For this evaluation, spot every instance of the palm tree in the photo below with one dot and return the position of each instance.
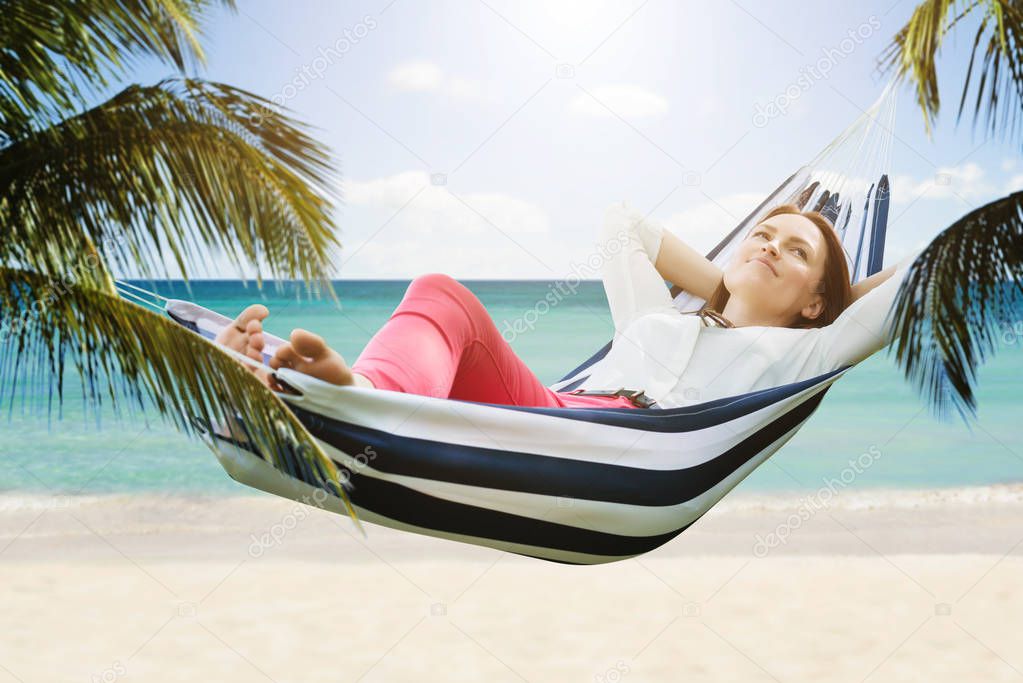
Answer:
(171, 170)
(963, 288)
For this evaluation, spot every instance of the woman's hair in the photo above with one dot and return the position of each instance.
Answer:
(835, 289)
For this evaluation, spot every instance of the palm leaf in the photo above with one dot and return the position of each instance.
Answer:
(53, 53)
(146, 358)
(1000, 81)
(174, 171)
(956, 300)
(913, 54)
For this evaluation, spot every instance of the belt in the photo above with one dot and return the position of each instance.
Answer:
(638, 398)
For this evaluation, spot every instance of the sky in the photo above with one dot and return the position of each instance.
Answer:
(485, 138)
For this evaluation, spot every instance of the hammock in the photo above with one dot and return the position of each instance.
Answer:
(569, 485)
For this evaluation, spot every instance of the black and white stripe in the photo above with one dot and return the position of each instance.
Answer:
(572, 485)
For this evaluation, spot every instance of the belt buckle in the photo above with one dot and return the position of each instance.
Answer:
(637, 396)
(643, 401)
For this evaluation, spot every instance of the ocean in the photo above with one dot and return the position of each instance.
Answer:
(871, 412)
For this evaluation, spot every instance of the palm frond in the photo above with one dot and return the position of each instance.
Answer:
(956, 300)
(173, 170)
(51, 49)
(145, 358)
(999, 96)
(998, 42)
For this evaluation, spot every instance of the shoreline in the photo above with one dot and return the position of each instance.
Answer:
(169, 527)
(1008, 493)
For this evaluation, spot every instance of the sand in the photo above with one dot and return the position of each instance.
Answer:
(892, 586)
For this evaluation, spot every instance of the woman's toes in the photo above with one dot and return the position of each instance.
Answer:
(308, 344)
(253, 312)
(254, 340)
(285, 357)
(254, 350)
(229, 336)
(234, 335)
(308, 353)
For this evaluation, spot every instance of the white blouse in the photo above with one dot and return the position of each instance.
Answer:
(679, 361)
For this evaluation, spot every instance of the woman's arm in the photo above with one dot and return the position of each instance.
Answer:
(866, 325)
(629, 245)
(867, 284)
(643, 255)
(686, 268)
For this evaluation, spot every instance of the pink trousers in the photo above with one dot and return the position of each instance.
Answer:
(440, 341)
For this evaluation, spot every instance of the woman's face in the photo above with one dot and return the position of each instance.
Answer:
(778, 268)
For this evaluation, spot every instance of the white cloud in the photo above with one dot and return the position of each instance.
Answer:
(435, 207)
(462, 88)
(438, 232)
(967, 182)
(628, 101)
(424, 76)
(706, 224)
(416, 76)
(389, 192)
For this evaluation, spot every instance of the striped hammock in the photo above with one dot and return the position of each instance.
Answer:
(570, 485)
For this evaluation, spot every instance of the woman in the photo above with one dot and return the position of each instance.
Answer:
(782, 310)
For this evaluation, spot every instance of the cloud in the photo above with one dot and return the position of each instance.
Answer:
(629, 101)
(426, 228)
(416, 76)
(1015, 184)
(704, 225)
(967, 182)
(390, 192)
(425, 76)
(435, 207)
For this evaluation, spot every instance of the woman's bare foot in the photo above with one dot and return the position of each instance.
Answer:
(306, 352)
(245, 334)
(309, 354)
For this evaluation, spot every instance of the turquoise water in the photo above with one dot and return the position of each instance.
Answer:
(871, 410)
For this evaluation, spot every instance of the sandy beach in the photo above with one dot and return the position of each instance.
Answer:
(881, 586)
(768, 218)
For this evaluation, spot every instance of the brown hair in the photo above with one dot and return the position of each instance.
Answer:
(835, 289)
